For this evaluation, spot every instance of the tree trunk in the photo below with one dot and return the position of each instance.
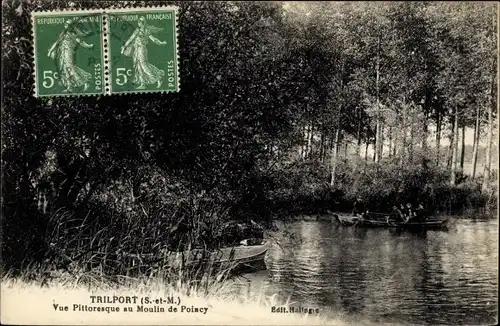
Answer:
(410, 145)
(476, 142)
(320, 151)
(395, 144)
(306, 152)
(334, 157)
(454, 149)
(325, 144)
(487, 164)
(305, 137)
(308, 142)
(377, 112)
(403, 130)
(377, 141)
(462, 153)
(303, 144)
(311, 141)
(489, 139)
(491, 107)
(381, 142)
(438, 139)
(367, 144)
(424, 136)
(390, 141)
(358, 136)
(322, 146)
(449, 152)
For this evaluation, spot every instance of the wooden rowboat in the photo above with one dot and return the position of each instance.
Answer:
(384, 222)
(249, 253)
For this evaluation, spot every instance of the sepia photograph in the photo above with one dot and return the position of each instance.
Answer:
(249, 163)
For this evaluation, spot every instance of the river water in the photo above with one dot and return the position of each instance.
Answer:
(379, 276)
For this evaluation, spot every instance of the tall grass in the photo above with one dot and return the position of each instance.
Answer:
(129, 229)
(223, 306)
(135, 245)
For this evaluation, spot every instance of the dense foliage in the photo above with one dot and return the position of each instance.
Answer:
(270, 93)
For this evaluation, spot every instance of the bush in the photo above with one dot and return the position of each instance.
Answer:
(304, 188)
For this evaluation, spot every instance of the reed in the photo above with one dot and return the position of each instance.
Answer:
(110, 241)
(224, 307)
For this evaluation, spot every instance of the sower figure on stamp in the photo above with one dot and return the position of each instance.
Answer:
(136, 46)
(63, 51)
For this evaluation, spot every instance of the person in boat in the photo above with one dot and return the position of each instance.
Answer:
(393, 216)
(356, 206)
(397, 214)
(402, 209)
(409, 212)
(420, 212)
(359, 209)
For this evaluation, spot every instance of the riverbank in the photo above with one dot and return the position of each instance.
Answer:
(471, 214)
(306, 189)
(26, 302)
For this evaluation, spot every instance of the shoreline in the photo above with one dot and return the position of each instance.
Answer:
(327, 217)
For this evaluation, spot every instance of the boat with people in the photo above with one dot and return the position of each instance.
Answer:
(375, 220)
(402, 217)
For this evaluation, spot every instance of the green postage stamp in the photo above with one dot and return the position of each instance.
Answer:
(142, 50)
(68, 53)
(105, 52)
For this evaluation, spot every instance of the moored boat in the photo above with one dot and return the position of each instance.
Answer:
(248, 254)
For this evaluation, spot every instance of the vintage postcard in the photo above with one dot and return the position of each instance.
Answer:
(249, 163)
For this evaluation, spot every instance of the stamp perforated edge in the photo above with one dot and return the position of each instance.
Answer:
(175, 9)
(70, 11)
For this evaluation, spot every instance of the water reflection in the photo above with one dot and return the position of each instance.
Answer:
(383, 276)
